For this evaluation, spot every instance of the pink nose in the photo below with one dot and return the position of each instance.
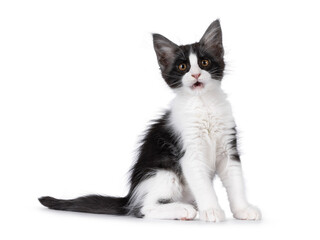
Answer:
(196, 76)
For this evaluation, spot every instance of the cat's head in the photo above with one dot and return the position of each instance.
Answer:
(196, 67)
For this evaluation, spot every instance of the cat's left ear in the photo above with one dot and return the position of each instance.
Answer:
(165, 50)
(211, 41)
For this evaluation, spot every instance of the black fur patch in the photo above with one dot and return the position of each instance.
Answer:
(159, 149)
(233, 144)
(165, 201)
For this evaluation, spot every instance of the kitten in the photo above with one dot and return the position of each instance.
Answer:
(183, 150)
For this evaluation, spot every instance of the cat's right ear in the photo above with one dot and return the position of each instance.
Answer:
(165, 50)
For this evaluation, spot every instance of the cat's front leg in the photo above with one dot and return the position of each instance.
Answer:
(232, 179)
(199, 179)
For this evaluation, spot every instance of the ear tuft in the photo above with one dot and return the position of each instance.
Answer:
(165, 50)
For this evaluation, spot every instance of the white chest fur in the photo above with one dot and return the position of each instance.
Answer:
(204, 123)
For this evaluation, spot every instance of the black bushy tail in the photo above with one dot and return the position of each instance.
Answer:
(89, 204)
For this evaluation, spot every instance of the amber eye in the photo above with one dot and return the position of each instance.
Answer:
(205, 63)
(182, 67)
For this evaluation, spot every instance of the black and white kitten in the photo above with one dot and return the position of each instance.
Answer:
(183, 150)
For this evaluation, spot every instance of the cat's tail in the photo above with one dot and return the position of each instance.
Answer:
(89, 204)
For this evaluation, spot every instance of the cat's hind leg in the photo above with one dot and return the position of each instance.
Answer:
(175, 210)
(161, 197)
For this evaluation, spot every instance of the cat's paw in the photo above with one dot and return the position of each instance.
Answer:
(248, 213)
(189, 212)
(212, 215)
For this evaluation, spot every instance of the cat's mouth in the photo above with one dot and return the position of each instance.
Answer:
(197, 85)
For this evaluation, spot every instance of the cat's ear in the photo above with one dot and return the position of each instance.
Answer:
(211, 41)
(165, 50)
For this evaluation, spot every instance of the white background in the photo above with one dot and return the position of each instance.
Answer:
(79, 82)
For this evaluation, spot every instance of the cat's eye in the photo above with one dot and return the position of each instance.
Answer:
(205, 63)
(182, 67)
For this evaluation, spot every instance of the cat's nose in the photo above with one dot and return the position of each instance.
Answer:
(196, 76)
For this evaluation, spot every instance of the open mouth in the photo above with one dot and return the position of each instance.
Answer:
(197, 85)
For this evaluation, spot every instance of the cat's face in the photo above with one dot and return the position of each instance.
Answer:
(194, 68)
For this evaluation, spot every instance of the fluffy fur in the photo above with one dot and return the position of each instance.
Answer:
(184, 149)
